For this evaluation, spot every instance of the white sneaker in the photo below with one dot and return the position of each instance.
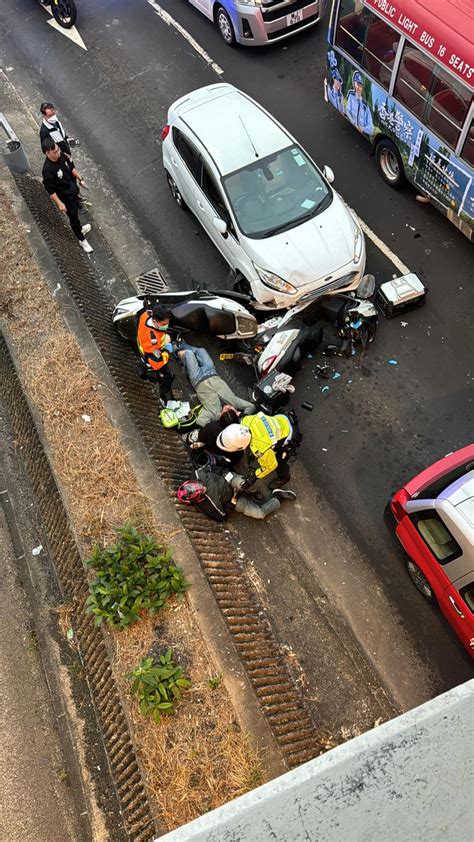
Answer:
(86, 229)
(85, 246)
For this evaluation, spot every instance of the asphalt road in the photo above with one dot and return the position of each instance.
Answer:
(378, 423)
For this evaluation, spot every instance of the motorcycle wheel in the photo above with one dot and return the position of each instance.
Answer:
(64, 12)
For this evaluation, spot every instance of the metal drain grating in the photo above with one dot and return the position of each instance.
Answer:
(151, 283)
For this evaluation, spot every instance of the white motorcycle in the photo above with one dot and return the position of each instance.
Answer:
(200, 311)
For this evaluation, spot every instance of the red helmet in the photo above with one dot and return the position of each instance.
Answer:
(191, 491)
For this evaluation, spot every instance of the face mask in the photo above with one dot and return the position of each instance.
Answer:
(163, 327)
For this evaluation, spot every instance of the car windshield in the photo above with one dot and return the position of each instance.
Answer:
(277, 193)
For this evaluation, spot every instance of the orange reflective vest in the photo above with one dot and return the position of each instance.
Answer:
(151, 341)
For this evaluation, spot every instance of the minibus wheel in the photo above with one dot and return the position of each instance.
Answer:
(390, 164)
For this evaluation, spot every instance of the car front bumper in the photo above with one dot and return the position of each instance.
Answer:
(258, 25)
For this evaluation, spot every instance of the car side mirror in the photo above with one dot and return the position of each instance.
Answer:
(220, 225)
(328, 174)
(366, 287)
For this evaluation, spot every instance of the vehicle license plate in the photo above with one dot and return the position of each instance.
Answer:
(294, 17)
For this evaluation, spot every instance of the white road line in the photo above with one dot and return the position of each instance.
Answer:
(386, 250)
(189, 38)
(71, 33)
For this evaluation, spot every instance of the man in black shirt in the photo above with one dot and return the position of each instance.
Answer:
(53, 128)
(60, 179)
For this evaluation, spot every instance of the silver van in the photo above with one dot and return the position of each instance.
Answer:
(257, 22)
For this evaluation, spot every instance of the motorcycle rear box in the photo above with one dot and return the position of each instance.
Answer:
(400, 294)
(267, 398)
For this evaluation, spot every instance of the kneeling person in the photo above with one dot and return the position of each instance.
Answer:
(270, 439)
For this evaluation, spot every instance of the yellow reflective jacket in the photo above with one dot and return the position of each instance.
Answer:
(266, 432)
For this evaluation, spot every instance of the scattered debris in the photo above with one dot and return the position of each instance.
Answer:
(86, 418)
(70, 634)
(336, 375)
(37, 550)
(392, 362)
(325, 389)
(404, 324)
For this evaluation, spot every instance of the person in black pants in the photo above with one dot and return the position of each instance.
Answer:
(60, 179)
(53, 128)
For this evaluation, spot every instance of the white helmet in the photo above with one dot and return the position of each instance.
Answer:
(234, 437)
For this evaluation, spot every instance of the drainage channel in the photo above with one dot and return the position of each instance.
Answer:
(72, 578)
(281, 700)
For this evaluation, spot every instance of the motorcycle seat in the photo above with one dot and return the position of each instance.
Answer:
(203, 319)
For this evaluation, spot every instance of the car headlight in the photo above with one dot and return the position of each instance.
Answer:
(274, 281)
(250, 2)
(358, 243)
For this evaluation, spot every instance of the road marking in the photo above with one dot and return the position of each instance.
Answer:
(189, 38)
(72, 33)
(386, 250)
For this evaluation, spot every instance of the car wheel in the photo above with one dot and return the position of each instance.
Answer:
(241, 285)
(175, 192)
(420, 581)
(390, 164)
(224, 25)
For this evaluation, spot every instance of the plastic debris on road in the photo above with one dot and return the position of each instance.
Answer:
(37, 550)
(392, 362)
(325, 389)
(336, 375)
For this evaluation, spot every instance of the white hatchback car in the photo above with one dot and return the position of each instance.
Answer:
(264, 203)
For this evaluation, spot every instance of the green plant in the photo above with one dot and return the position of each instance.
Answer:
(157, 686)
(215, 682)
(133, 575)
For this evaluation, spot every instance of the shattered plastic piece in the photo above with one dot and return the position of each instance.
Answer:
(86, 418)
(349, 382)
(70, 634)
(404, 324)
(37, 550)
(325, 389)
(309, 357)
(325, 449)
(336, 375)
(392, 362)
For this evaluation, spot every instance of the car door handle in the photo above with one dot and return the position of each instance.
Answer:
(458, 610)
(174, 162)
(200, 205)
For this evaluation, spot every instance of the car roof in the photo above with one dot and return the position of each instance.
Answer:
(456, 505)
(234, 129)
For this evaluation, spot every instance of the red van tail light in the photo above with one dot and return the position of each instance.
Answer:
(397, 504)
(165, 132)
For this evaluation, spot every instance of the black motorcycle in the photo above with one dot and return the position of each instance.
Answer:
(63, 11)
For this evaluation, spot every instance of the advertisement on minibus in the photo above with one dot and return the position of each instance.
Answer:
(417, 114)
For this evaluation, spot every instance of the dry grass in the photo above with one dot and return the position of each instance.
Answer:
(201, 752)
(199, 758)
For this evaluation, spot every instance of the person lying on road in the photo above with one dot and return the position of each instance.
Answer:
(217, 493)
(213, 392)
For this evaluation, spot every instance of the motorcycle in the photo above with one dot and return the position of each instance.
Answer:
(214, 313)
(280, 344)
(354, 316)
(63, 11)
